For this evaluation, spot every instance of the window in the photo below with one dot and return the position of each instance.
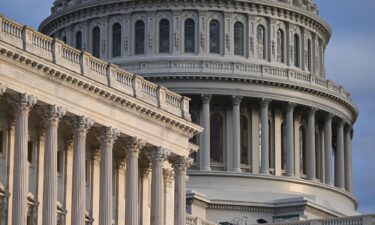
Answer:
(79, 40)
(244, 140)
(216, 137)
(96, 42)
(309, 55)
(238, 39)
(283, 146)
(214, 36)
(30, 152)
(116, 40)
(139, 37)
(60, 159)
(1, 142)
(296, 50)
(280, 46)
(88, 171)
(189, 36)
(302, 147)
(64, 39)
(261, 41)
(164, 36)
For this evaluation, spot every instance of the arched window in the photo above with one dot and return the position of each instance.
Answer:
(280, 46)
(96, 42)
(283, 146)
(64, 39)
(139, 37)
(189, 36)
(216, 137)
(244, 140)
(309, 55)
(302, 149)
(238, 39)
(164, 36)
(79, 40)
(214, 36)
(296, 51)
(116, 40)
(261, 41)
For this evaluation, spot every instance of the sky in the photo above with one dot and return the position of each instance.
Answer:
(349, 62)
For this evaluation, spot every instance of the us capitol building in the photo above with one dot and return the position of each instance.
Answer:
(102, 114)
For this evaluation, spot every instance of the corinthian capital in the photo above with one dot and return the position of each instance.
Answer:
(52, 114)
(24, 103)
(82, 123)
(109, 135)
(180, 162)
(157, 154)
(2, 89)
(134, 145)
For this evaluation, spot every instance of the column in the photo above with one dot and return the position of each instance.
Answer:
(157, 157)
(168, 202)
(81, 125)
(205, 151)
(107, 138)
(133, 148)
(348, 159)
(52, 115)
(311, 161)
(236, 134)
(339, 157)
(328, 149)
(180, 165)
(264, 168)
(290, 140)
(23, 105)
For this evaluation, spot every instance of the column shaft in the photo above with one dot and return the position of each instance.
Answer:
(339, 157)
(311, 159)
(81, 125)
(180, 165)
(52, 116)
(107, 138)
(20, 183)
(157, 157)
(348, 160)
(264, 168)
(205, 152)
(328, 149)
(236, 134)
(290, 140)
(134, 146)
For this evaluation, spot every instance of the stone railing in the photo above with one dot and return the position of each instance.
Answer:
(191, 220)
(86, 65)
(352, 220)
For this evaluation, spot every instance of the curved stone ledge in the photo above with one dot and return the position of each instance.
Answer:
(253, 190)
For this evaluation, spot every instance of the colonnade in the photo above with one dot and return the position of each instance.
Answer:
(81, 125)
(342, 175)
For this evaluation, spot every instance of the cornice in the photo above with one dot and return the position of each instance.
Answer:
(282, 11)
(106, 95)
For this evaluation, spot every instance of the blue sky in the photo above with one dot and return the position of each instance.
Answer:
(349, 61)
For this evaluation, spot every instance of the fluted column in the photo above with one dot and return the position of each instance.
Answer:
(311, 159)
(157, 157)
(339, 157)
(264, 169)
(180, 165)
(133, 148)
(81, 125)
(290, 140)
(348, 159)
(328, 149)
(107, 138)
(236, 134)
(23, 105)
(205, 151)
(52, 115)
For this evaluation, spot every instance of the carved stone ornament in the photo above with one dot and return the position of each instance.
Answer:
(168, 176)
(24, 103)
(2, 89)
(157, 154)
(52, 114)
(180, 162)
(109, 134)
(134, 145)
(82, 123)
